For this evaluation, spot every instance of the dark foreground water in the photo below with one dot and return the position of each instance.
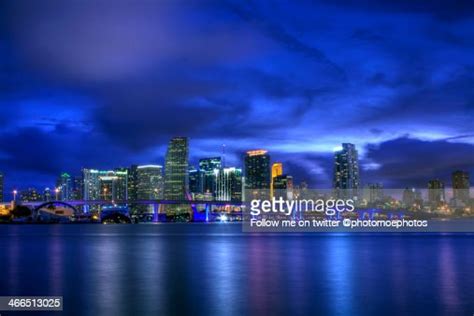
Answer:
(215, 269)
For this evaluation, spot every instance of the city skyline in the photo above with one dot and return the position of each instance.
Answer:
(260, 172)
(394, 79)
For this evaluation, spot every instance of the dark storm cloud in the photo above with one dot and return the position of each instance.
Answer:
(412, 162)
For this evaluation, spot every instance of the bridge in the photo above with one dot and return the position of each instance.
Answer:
(77, 205)
(204, 215)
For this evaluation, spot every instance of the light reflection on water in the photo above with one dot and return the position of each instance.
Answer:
(216, 270)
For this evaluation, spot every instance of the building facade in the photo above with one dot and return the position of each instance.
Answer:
(229, 184)
(209, 168)
(436, 193)
(64, 185)
(346, 171)
(111, 185)
(176, 174)
(461, 186)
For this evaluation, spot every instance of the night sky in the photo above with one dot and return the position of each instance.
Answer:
(103, 84)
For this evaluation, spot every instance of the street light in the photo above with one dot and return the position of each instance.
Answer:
(15, 192)
(57, 190)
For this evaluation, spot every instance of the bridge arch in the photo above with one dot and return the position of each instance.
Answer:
(53, 203)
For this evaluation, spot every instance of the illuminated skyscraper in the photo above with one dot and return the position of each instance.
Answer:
(114, 184)
(2, 185)
(195, 181)
(229, 184)
(91, 185)
(105, 185)
(132, 183)
(78, 188)
(176, 173)
(257, 170)
(436, 192)
(149, 182)
(65, 186)
(208, 168)
(461, 186)
(149, 186)
(346, 171)
(277, 170)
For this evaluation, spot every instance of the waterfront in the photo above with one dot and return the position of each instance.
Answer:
(215, 269)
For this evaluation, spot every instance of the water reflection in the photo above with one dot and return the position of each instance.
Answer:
(339, 266)
(448, 279)
(214, 269)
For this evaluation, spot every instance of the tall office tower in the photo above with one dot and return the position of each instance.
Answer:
(374, 192)
(78, 188)
(149, 186)
(346, 171)
(64, 185)
(132, 183)
(105, 185)
(150, 182)
(277, 170)
(176, 174)
(461, 186)
(114, 184)
(195, 181)
(2, 185)
(229, 184)
(436, 192)
(91, 184)
(257, 173)
(209, 168)
(283, 186)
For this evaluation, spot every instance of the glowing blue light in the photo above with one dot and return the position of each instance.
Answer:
(223, 218)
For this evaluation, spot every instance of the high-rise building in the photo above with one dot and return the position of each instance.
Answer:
(208, 168)
(257, 170)
(114, 184)
(2, 185)
(461, 185)
(346, 171)
(78, 188)
(64, 186)
(105, 185)
(436, 192)
(132, 183)
(149, 186)
(149, 182)
(283, 186)
(277, 170)
(195, 181)
(91, 184)
(176, 174)
(229, 184)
